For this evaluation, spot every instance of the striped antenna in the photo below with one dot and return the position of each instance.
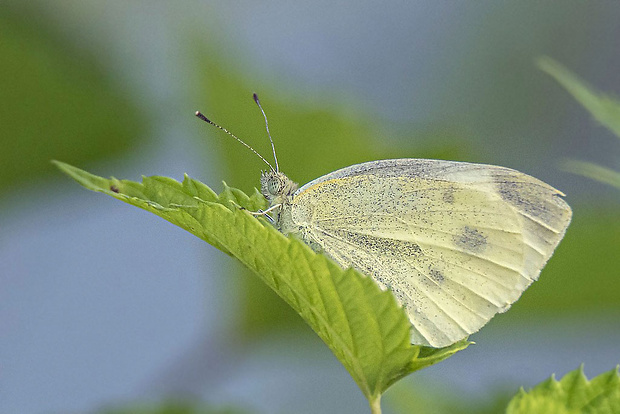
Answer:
(208, 121)
(273, 148)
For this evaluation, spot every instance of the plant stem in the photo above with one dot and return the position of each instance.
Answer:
(375, 405)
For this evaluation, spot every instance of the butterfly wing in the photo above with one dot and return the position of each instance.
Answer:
(455, 242)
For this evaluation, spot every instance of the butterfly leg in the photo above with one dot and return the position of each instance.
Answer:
(264, 213)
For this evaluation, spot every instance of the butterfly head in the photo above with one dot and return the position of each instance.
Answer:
(277, 187)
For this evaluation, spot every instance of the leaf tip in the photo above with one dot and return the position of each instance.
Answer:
(63, 166)
(544, 63)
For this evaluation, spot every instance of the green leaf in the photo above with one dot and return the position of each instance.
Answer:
(605, 109)
(362, 325)
(593, 171)
(573, 394)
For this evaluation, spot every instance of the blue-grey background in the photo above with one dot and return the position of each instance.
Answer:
(102, 304)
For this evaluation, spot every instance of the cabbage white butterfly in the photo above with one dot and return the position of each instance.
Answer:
(455, 242)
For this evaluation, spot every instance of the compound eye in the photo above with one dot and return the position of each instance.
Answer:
(274, 186)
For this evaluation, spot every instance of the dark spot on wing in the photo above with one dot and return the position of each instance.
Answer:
(114, 188)
(389, 247)
(416, 250)
(436, 276)
(517, 195)
(471, 239)
(448, 196)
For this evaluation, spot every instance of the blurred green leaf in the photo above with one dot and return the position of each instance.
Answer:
(57, 101)
(593, 171)
(605, 109)
(573, 394)
(363, 325)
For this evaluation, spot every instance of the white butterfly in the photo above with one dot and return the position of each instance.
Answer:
(455, 242)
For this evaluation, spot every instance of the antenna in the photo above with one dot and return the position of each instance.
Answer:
(208, 121)
(273, 148)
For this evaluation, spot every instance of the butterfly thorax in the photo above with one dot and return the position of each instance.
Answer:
(278, 189)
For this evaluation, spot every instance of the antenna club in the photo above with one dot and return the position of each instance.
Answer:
(255, 96)
(204, 118)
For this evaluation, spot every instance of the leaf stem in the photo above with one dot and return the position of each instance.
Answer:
(375, 405)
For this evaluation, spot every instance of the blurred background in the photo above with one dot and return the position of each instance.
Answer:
(105, 306)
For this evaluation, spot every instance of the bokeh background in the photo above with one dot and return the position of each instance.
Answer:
(103, 305)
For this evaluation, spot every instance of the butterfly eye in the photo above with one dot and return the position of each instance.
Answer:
(274, 186)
